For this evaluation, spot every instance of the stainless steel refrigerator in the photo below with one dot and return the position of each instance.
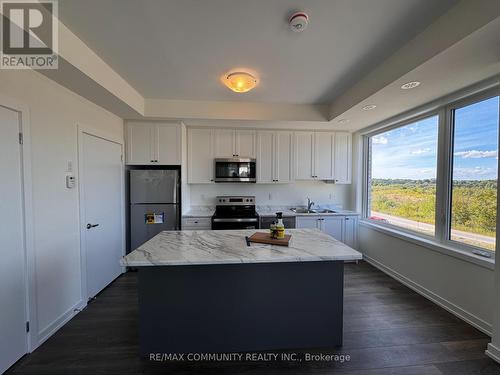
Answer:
(154, 203)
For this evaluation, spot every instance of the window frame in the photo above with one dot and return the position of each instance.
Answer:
(444, 108)
(448, 183)
(367, 170)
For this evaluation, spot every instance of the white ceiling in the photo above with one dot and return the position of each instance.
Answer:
(178, 49)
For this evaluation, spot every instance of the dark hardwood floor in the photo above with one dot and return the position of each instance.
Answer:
(388, 330)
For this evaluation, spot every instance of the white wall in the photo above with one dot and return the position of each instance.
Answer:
(281, 194)
(465, 288)
(54, 115)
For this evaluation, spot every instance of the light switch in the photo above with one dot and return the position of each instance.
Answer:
(70, 181)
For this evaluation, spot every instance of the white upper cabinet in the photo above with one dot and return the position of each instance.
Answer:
(274, 156)
(153, 143)
(233, 143)
(283, 156)
(167, 140)
(200, 156)
(343, 158)
(224, 143)
(304, 155)
(323, 155)
(139, 142)
(265, 156)
(245, 141)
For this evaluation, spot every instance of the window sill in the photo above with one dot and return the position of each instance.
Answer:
(488, 263)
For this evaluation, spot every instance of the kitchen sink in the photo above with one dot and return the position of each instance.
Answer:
(303, 211)
(306, 211)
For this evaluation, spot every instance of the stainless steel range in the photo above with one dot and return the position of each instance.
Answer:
(235, 212)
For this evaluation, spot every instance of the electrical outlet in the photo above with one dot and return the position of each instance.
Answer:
(270, 196)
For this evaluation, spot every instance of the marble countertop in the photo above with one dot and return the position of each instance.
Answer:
(171, 248)
(287, 212)
(264, 211)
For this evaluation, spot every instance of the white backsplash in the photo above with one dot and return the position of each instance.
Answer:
(294, 194)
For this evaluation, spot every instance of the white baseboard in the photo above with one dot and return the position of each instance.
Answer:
(468, 317)
(493, 352)
(53, 327)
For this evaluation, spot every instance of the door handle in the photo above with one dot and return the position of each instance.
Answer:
(89, 226)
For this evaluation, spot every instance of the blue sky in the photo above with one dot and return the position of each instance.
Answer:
(411, 151)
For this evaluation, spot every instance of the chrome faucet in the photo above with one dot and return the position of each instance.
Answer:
(310, 203)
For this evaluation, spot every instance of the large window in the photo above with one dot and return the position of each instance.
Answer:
(474, 174)
(402, 181)
(437, 175)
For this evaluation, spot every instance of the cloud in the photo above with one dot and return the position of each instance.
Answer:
(420, 151)
(379, 140)
(474, 154)
(474, 173)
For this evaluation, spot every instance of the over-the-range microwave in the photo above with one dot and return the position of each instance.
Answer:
(234, 170)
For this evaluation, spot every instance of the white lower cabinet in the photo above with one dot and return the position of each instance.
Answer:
(196, 223)
(342, 228)
(351, 231)
(334, 226)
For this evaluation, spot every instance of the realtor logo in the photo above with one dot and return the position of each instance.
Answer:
(29, 35)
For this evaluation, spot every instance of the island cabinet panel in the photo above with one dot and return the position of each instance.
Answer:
(200, 156)
(240, 307)
(151, 143)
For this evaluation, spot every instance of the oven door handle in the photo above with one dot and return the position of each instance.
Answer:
(235, 220)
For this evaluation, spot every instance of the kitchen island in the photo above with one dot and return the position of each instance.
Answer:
(207, 291)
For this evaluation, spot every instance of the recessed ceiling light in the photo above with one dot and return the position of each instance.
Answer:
(369, 107)
(239, 81)
(410, 85)
(343, 121)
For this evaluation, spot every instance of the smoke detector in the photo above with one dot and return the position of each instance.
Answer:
(298, 21)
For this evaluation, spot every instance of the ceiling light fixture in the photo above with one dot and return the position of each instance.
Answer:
(240, 81)
(343, 121)
(369, 107)
(410, 85)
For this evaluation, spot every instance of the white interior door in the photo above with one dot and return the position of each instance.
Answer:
(12, 265)
(101, 188)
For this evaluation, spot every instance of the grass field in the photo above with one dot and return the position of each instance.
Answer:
(473, 202)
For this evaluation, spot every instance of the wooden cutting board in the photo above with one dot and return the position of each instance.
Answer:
(260, 237)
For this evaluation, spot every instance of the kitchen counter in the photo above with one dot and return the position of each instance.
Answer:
(229, 246)
(208, 292)
(287, 212)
